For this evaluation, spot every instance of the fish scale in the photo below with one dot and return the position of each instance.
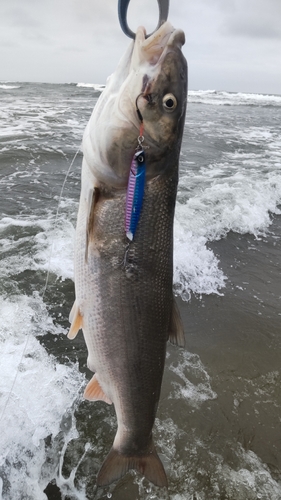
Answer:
(121, 292)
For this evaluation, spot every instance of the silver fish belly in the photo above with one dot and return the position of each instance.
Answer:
(124, 301)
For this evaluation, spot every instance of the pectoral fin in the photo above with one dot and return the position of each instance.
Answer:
(76, 321)
(93, 198)
(94, 392)
(176, 331)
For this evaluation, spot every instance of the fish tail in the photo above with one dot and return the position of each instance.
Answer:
(116, 465)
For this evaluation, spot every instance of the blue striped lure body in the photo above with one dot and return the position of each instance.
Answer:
(135, 192)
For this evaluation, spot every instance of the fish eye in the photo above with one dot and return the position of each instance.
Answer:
(169, 102)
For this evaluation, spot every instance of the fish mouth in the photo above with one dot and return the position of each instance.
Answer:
(150, 50)
(108, 149)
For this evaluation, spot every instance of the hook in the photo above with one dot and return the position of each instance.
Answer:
(122, 14)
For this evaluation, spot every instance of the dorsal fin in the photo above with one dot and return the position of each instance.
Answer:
(176, 331)
(94, 392)
(76, 321)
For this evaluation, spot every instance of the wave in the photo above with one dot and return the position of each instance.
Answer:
(223, 98)
(8, 87)
(96, 86)
(51, 246)
(32, 415)
(239, 204)
(237, 191)
(241, 201)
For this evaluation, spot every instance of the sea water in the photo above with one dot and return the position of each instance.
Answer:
(218, 425)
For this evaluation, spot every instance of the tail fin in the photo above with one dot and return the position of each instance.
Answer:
(117, 465)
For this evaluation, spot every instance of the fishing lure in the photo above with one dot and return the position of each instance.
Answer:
(136, 183)
(135, 192)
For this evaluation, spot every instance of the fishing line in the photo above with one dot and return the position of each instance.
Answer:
(56, 220)
(45, 286)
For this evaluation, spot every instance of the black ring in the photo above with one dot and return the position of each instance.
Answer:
(122, 14)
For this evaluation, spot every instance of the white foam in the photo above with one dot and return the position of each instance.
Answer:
(55, 250)
(222, 98)
(28, 221)
(204, 474)
(43, 118)
(36, 394)
(52, 246)
(189, 367)
(251, 480)
(239, 193)
(240, 202)
(96, 86)
(8, 87)
(196, 269)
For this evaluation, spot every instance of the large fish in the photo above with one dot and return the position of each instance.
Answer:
(124, 301)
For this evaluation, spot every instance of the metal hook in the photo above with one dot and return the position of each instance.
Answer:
(122, 14)
(124, 261)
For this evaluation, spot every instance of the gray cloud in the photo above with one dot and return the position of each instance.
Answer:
(20, 17)
(253, 18)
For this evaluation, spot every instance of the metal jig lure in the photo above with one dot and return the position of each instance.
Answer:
(136, 183)
(135, 192)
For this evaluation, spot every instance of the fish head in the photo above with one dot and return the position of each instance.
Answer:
(162, 102)
(148, 87)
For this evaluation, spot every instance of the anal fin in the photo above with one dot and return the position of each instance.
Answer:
(176, 331)
(94, 392)
(76, 321)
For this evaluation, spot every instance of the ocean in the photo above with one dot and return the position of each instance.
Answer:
(218, 429)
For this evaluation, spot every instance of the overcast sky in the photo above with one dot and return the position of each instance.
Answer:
(230, 45)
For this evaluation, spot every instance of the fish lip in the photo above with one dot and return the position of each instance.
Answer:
(151, 49)
(164, 36)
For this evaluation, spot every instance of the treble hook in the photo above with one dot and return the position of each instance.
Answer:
(122, 14)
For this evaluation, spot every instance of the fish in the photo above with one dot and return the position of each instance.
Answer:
(124, 300)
